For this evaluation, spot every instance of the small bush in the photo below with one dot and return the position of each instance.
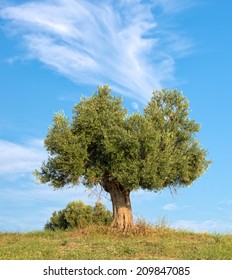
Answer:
(79, 215)
(57, 221)
(101, 216)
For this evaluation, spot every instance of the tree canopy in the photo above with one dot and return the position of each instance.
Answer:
(103, 145)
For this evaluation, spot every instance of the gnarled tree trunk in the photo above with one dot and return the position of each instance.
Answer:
(122, 212)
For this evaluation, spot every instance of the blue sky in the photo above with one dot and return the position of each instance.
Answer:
(54, 51)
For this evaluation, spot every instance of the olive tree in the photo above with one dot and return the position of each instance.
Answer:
(103, 145)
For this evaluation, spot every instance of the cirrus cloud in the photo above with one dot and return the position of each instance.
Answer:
(19, 159)
(210, 225)
(170, 207)
(94, 42)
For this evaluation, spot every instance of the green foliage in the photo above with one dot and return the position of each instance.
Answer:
(57, 221)
(102, 144)
(101, 216)
(78, 215)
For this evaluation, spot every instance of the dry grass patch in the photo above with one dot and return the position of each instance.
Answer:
(143, 242)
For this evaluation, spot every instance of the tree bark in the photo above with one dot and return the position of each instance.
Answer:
(122, 212)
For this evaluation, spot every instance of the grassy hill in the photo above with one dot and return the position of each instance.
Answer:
(150, 243)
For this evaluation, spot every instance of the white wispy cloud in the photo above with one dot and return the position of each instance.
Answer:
(210, 225)
(174, 206)
(170, 207)
(135, 105)
(94, 42)
(225, 202)
(20, 159)
(38, 200)
(175, 6)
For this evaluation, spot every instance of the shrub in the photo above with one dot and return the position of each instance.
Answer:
(79, 215)
(101, 216)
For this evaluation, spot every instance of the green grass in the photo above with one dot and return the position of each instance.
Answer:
(148, 243)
